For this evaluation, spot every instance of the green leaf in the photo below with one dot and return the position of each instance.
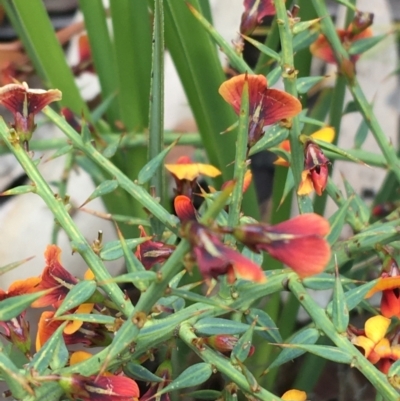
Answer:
(90, 318)
(304, 39)
(41, 360)
(139, 372)
(333, 148)
(304, 84)
(78, 294)
(60, 152)
(22, 189)
(104, 188)
(357, 206)
(113, 250)
(337, 221)
(361, 134)
(16, 381)
(13, 306)
(362, 45)
(306, 336)
(270, 332)
(304, 25)
(148, 171)
(137, 278)
(214, 325)
(340, 312)
(112, 148)
(203, 395)
(11, 266)
(263, 49)
(272, 137)
(192, 376)
(394, 374)
(242, 348)
(324, 351)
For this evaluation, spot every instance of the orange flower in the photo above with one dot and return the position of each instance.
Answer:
(326, 134)
(213, 257)
(185, 174)
(17, 329)
(89, 334)
(315, 174)
(151, 252)
(389, 284)
(298, 242)
(267, 106)
(54, 277)
(358, 29)
(24, 103)
(376, 346)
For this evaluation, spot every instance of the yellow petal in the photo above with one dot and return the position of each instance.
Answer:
(383, 348)
(88, 275)
(75, 325)
(365, 343)
(385, 283)
(294, 395)
(306, 186)
(79, 356)
(192, 171)
(326, 134)
(376, 328)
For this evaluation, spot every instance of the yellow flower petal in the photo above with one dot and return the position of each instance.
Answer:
(192, 171)
(79, 356)
(365, 343)
(326, 134)
(306, 186)
(88, 275)
(75, 325)
(385, 283)
(294, 395)
(383, 348)
(376, 328)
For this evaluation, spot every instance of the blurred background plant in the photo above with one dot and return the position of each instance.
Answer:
(119, 139)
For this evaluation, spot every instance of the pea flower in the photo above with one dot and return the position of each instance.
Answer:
(24, 104)
(151, 252)
(105, 387)
(88, 334)
(17, 329)
(358, 29)
(267, 106)
(315, 174)
(389, 284)
(376, 346)
(294, 395)
(298, 242)
(326, 134)
(186, 173)
(213, 257)
(254, 13)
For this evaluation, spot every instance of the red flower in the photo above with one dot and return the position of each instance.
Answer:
(298, 243)
(254, 12)
(213, 257)
(358, 29)
(105, 387)
(151, 252)
(315, 174)
(267, 106)
(24, 103)
(54, 277)
(224, 343)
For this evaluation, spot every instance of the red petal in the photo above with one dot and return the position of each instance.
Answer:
(85, 53)
(275, 104)
(302, 225)
(26, 286)
(322, 49)
(390, 304)
(184, 208)
(46, 328)
(255, 11)
(305, 255)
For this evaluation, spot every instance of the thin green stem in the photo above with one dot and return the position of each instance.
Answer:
(56, 205)
(318, 315)
(289, 79)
